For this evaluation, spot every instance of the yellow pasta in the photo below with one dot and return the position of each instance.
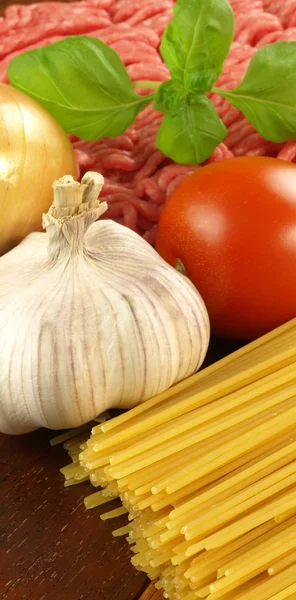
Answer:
(280, 565)
(288, 592)
(96, 499)
(206, 472)
(112, 514)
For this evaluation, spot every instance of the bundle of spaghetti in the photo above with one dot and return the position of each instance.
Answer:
(139, 178)
(207, 474)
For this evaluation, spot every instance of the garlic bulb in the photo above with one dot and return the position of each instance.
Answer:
(91, 317)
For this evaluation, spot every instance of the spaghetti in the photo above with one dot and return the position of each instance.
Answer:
(207, 473)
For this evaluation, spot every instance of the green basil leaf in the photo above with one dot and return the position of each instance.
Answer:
(82, 83)
(197, 39)
(170, 97)
(267, 94)
(202, 81)
(191, 134)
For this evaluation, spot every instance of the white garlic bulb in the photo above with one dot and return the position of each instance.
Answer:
(90, 318)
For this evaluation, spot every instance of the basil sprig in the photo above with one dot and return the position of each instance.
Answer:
(85, 86)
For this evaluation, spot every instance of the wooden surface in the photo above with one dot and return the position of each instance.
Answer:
(51, 548)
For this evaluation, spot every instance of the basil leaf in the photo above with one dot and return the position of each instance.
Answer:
(202, 81)
(190, 134)
(198, 38)
(267, 94)
(82, 83)
(170, 97)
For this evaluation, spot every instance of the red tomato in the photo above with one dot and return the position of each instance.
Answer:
(233, 226)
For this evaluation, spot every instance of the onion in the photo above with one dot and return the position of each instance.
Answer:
(34, 151)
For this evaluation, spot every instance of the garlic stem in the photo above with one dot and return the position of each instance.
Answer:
(72, 198)
(75, 208)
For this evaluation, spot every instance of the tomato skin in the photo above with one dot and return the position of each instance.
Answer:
(233, 226)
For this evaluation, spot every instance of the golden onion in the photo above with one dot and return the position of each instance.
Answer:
(34, 151)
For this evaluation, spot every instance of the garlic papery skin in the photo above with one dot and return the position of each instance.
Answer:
(91, 318)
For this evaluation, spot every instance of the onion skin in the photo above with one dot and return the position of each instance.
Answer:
(34, 151)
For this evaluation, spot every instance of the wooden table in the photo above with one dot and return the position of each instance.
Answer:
(52, 548)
